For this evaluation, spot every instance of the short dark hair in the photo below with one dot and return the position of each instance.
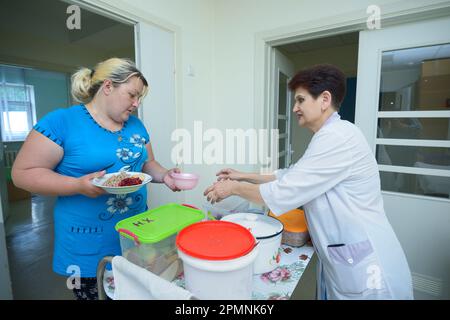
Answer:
(320, 78)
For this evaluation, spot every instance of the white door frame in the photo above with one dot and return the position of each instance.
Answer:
(280, 63)
(353, 22)
(159, 112)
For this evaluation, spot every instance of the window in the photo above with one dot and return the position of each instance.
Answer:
(413, 136)
(18, 114)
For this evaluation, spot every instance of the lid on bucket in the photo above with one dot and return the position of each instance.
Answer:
(261, 226)
(293, 221)
(215, 240)
(159, 223)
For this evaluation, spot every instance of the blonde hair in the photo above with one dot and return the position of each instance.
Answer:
(86, 82)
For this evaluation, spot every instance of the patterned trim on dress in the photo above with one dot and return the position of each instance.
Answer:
(86, 111)
(48, 135)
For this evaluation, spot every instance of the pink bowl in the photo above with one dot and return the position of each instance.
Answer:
(185, 181)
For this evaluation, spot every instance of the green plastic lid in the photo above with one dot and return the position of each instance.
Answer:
(159, 223)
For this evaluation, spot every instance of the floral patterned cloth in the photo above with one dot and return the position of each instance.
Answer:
(279, 284)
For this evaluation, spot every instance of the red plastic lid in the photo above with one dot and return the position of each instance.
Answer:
(215, 240)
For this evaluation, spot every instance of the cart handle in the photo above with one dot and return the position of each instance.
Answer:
(131, 234)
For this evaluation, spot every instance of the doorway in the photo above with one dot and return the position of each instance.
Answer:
(340, 50)
(38, 46)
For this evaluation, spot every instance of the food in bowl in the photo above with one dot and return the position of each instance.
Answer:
(122, 182)
(123, 179)
(185, 181)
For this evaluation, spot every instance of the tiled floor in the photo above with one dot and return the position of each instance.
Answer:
(29, 239)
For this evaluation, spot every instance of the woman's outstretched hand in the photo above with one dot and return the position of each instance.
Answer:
(220, 190)
(230, 174)
(86, 188)
(168, 180)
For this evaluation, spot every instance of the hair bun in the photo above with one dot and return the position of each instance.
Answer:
(81, 83)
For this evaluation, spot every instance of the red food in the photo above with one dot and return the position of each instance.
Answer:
(129, 182)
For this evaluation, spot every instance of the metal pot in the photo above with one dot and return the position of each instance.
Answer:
(267, 232)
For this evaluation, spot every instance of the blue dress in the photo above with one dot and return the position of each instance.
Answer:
(84, 227)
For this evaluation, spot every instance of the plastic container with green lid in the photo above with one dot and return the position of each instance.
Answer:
(148, 239)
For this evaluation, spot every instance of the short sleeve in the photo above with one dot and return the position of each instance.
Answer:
(53, 126)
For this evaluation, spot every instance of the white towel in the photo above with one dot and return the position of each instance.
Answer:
(135, 283)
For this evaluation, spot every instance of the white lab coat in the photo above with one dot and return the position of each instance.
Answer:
(337, 183)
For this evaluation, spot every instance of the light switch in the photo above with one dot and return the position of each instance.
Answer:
(191, 72)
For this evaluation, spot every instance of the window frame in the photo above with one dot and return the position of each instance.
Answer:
(439, 114)
(31, 111)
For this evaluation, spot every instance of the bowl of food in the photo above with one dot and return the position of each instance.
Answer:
(185, 181)
(122, 182)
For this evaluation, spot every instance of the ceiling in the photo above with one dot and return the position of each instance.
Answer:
(412, 58)
(391, 60)
(46, 20)
(320, 43)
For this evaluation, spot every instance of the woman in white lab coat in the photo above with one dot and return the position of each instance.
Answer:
(337, 183)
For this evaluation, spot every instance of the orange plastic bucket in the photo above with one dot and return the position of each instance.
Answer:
(295, 232)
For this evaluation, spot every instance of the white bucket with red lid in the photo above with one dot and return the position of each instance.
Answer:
(218, 258)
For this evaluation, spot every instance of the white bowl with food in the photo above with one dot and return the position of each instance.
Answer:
(122, 182)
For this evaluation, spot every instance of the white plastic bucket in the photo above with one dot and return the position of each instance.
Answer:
(219, 279)
(268, 232)
(218, 259)
(269, 255)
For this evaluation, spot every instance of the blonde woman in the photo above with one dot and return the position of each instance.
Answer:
(69, 147)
